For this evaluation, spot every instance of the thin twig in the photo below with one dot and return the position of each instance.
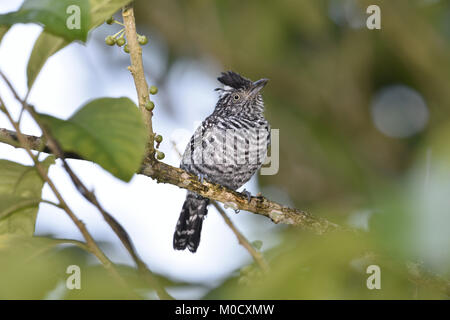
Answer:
(257, 256)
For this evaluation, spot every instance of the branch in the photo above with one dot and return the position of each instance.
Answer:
(162, 172)
(137, 71)
(33, 143)
(278, 213)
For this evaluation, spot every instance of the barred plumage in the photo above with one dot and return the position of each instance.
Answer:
(227, 148)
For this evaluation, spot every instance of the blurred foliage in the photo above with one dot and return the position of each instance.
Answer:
(36, 268)
(325, 68)
(323, 267)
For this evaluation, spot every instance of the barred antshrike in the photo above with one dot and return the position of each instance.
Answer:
(227, 148)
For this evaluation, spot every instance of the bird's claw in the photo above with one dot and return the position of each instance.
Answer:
(201, 177)
(248, 194)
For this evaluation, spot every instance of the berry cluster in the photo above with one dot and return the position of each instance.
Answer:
(119, 38)
(158, 138)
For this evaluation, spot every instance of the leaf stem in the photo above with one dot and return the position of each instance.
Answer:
(118, 33)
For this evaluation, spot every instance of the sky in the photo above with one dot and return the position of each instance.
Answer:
(147, 210)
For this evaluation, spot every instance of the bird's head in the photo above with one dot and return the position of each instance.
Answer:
(240, 95)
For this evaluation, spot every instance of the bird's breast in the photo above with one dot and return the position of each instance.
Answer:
(228, 151)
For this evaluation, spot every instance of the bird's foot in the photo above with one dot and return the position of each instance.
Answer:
(248, 194)
(201, 177)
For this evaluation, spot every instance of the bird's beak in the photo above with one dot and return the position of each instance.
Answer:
(258, 85)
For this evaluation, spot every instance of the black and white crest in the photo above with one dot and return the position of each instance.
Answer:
(234, 80)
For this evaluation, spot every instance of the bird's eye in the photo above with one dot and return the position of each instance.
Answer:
(236, 97)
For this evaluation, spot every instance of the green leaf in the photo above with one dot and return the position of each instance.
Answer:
(103, 9)
(48, 44)
(31, 267)
(45, 46)
(107, 131)
(10, 204)
(69, 19)
(20, 194)
(36, 245)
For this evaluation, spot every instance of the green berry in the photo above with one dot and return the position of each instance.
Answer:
(153, 90)
(160, 155)
(110, 20)
(149, 105)
(125, 48)
(142, 40)
(110, 41)
(257, 244)
(159, 138)
(120, 42)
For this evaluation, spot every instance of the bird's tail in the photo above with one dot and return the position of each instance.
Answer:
(189, 225)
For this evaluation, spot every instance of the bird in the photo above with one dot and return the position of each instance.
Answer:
(228, 147)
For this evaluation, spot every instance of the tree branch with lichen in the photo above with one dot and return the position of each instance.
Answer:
(164, 173)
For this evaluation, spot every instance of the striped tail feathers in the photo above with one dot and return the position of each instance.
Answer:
(189, 226)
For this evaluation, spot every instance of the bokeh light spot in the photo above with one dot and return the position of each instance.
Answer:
(399, 111)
